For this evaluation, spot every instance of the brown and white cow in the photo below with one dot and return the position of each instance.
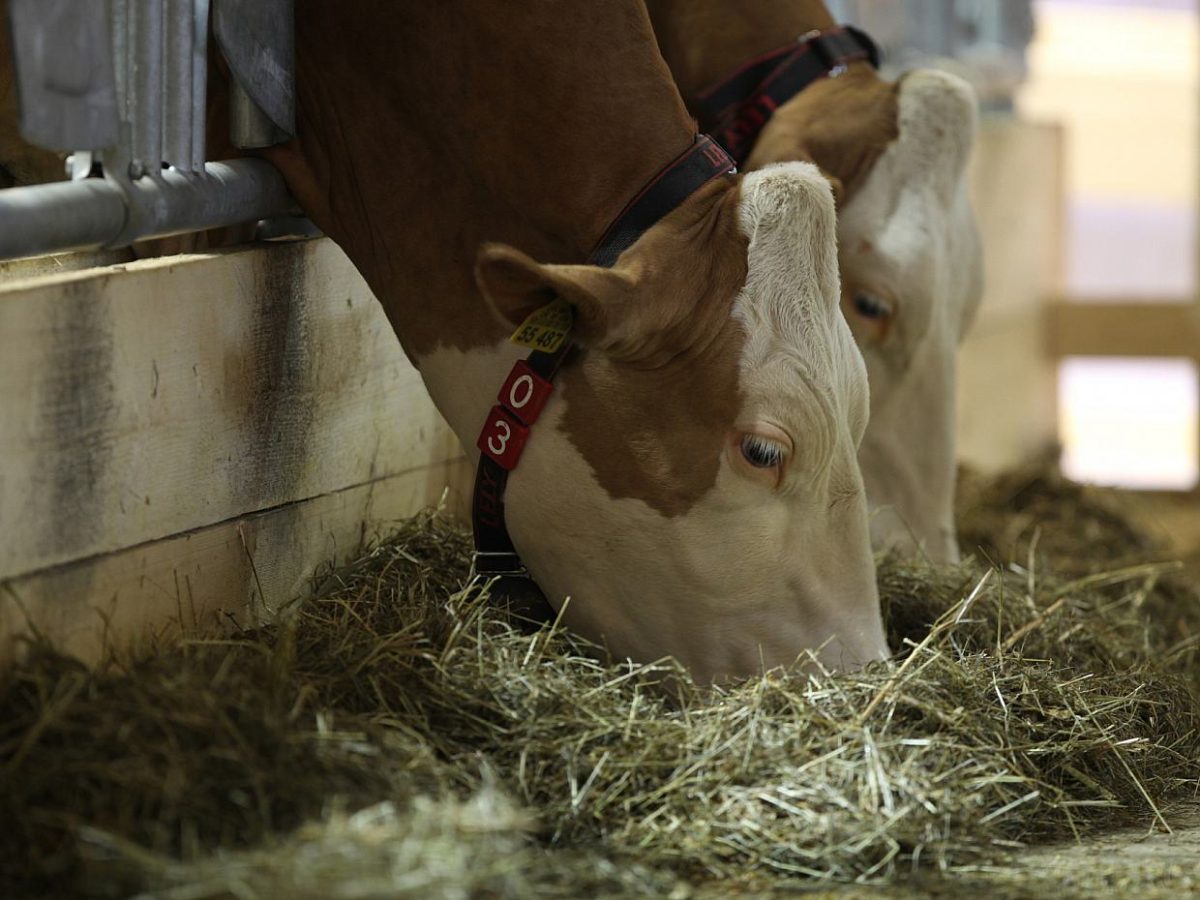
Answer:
(693, 484)
(909, 254)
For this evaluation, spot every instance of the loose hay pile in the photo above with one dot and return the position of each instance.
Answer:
(393, 737)
(1034, 516)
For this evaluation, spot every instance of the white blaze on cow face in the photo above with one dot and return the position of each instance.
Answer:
(911, 268)
(774, 557)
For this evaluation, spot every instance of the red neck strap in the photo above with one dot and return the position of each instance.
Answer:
(735, 109)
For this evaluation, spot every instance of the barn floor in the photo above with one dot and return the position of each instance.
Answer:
(394, 738)
(1125, 864)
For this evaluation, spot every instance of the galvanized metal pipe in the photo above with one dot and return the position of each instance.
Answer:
(64, 215)
(199, 82)
(177, 95)
(96, 212)
(145, 107)
(249, 125)
(257, 39)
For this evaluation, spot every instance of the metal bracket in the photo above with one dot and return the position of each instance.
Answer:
(66, 84)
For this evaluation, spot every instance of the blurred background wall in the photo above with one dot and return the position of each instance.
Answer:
(1085, 186)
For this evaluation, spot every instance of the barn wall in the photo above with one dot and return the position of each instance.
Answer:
(1007, 378)
(192, 433)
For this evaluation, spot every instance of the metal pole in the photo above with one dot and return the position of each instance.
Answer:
(257, 38)
(97, 212)
(199, 82)
(178, 96)
(145, 85)
(64, 215)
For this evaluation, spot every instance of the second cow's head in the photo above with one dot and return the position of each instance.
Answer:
(911, 269)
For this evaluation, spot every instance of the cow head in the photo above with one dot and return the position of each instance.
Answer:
(911, 272)
(693, 484)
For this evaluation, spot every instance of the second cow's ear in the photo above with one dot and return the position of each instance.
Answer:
(786, 144)
(516, 286)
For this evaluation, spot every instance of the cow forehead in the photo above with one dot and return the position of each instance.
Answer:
(938, 117)
(800, 367)
(910, 227)
(788, 305)
(657, 434)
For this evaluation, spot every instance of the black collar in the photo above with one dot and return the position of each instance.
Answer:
(529, 384)
(735, 110)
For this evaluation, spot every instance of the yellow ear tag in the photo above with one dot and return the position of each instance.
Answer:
(546, 328)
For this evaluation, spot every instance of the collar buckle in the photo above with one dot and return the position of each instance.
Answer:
(498, 564)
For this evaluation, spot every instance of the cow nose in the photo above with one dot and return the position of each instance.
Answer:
(941, 545)
(849, 654)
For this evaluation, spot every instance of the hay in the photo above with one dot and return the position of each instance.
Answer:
(394, 736)
(1033, 519)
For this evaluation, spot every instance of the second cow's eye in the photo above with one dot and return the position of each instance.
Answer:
(871, 307)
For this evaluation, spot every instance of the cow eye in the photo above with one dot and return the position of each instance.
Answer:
(761, 452)
(871, 307)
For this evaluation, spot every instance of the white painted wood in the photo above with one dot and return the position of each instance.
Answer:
(195, 580)
(142, 400)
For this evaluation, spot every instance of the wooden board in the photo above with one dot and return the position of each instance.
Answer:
(1008, 396)
(241, 568)
(1126, 329)
(163, 396)
(1017, 190)
(1007, 378)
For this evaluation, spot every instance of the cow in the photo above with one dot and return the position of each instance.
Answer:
(909, 252)
(692, 485)
(691, 488)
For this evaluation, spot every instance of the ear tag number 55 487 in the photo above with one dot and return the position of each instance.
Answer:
(546, 328)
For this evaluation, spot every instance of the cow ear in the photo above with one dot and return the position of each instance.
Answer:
(839, 189)
(516, 286)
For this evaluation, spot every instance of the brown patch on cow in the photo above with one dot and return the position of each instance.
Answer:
(842, 124)
(652, 423)
(703, 41)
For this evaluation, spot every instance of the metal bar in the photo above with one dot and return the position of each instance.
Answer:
(178, 96)
(199, 82)
(145, 85)
(64, 215)
(95, 212)
(120, 153)
(249, 126)
(257, 39)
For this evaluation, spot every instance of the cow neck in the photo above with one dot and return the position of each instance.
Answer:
(735, 105)
(473, 122)
(529, 384)
(703, 41)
